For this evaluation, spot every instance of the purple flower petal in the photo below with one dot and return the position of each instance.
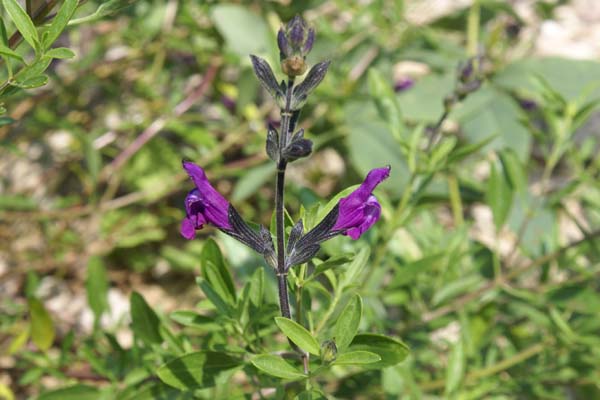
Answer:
(360, 209)
(203, 204)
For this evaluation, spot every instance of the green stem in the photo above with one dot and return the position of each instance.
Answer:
(473, 29)
(455, 200)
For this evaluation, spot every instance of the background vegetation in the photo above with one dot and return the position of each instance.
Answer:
(486, 259)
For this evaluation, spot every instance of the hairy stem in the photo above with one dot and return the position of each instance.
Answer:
(284, 301)
(286, 113)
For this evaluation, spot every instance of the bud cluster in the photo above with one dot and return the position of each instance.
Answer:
(469, 79)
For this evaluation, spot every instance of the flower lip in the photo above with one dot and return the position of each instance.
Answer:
(360, 209)
(203, 204)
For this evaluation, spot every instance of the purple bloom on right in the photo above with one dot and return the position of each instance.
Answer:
(360, 209)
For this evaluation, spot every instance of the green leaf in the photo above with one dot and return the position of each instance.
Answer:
(5, 121)
(463, 151)
(562, 325)
(22, 22)
(371, 145)
(244, 32)
(19, 340)
(219, 280)
(257, 283)
(498, 194)
(392, 351)
(60, 52)
(570, 78)
(492, 112)
(31, 83)
(455, 288)
(76, 392)
(216, 272)
(456, 368)
(347, 323)
(7, 52)
(196, 370)
(252, 180)
(298, 334)
(359, 357)
(42, 327)
(96, 285)
(358, 264)
(329, 264)
(215, 298)
(65, 12)
(276, 366)
(144, 321)
(193, 319)
(385, 101)
(513, 170)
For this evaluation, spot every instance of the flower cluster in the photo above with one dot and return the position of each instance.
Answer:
(352, 216)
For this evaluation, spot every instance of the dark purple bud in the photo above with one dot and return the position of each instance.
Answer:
(528, 105)
(203, 204)
(466, 70)
(309, 41)
(360, 210)
(282, 43)
(296, 30)
(403, 84)
(229, 103)
(297, 149)
(469, 87)
(295, 42)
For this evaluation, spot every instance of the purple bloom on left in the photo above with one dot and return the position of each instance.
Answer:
(203, 204)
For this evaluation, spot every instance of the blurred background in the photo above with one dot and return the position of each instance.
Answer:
(486, 264)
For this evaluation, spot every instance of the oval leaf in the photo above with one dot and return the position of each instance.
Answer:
(359, 357)
(60, 52)
(456, 368)
(42, 328)
(32, 82)
(276, 366)
(144, 321)
(76, 392)
(196, 370)
(298, 334)
(347, 323)
(22, 22)
(392, 351)
(7, 52)
(96, 286)
(65, 12)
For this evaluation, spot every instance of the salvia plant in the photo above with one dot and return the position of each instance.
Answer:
(316, 341)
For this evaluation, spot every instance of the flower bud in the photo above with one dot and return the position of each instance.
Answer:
(328, 351)
(295, 41)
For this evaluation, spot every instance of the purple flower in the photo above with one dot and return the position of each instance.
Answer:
(360, 210)
(403, 84)
(203, 205)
